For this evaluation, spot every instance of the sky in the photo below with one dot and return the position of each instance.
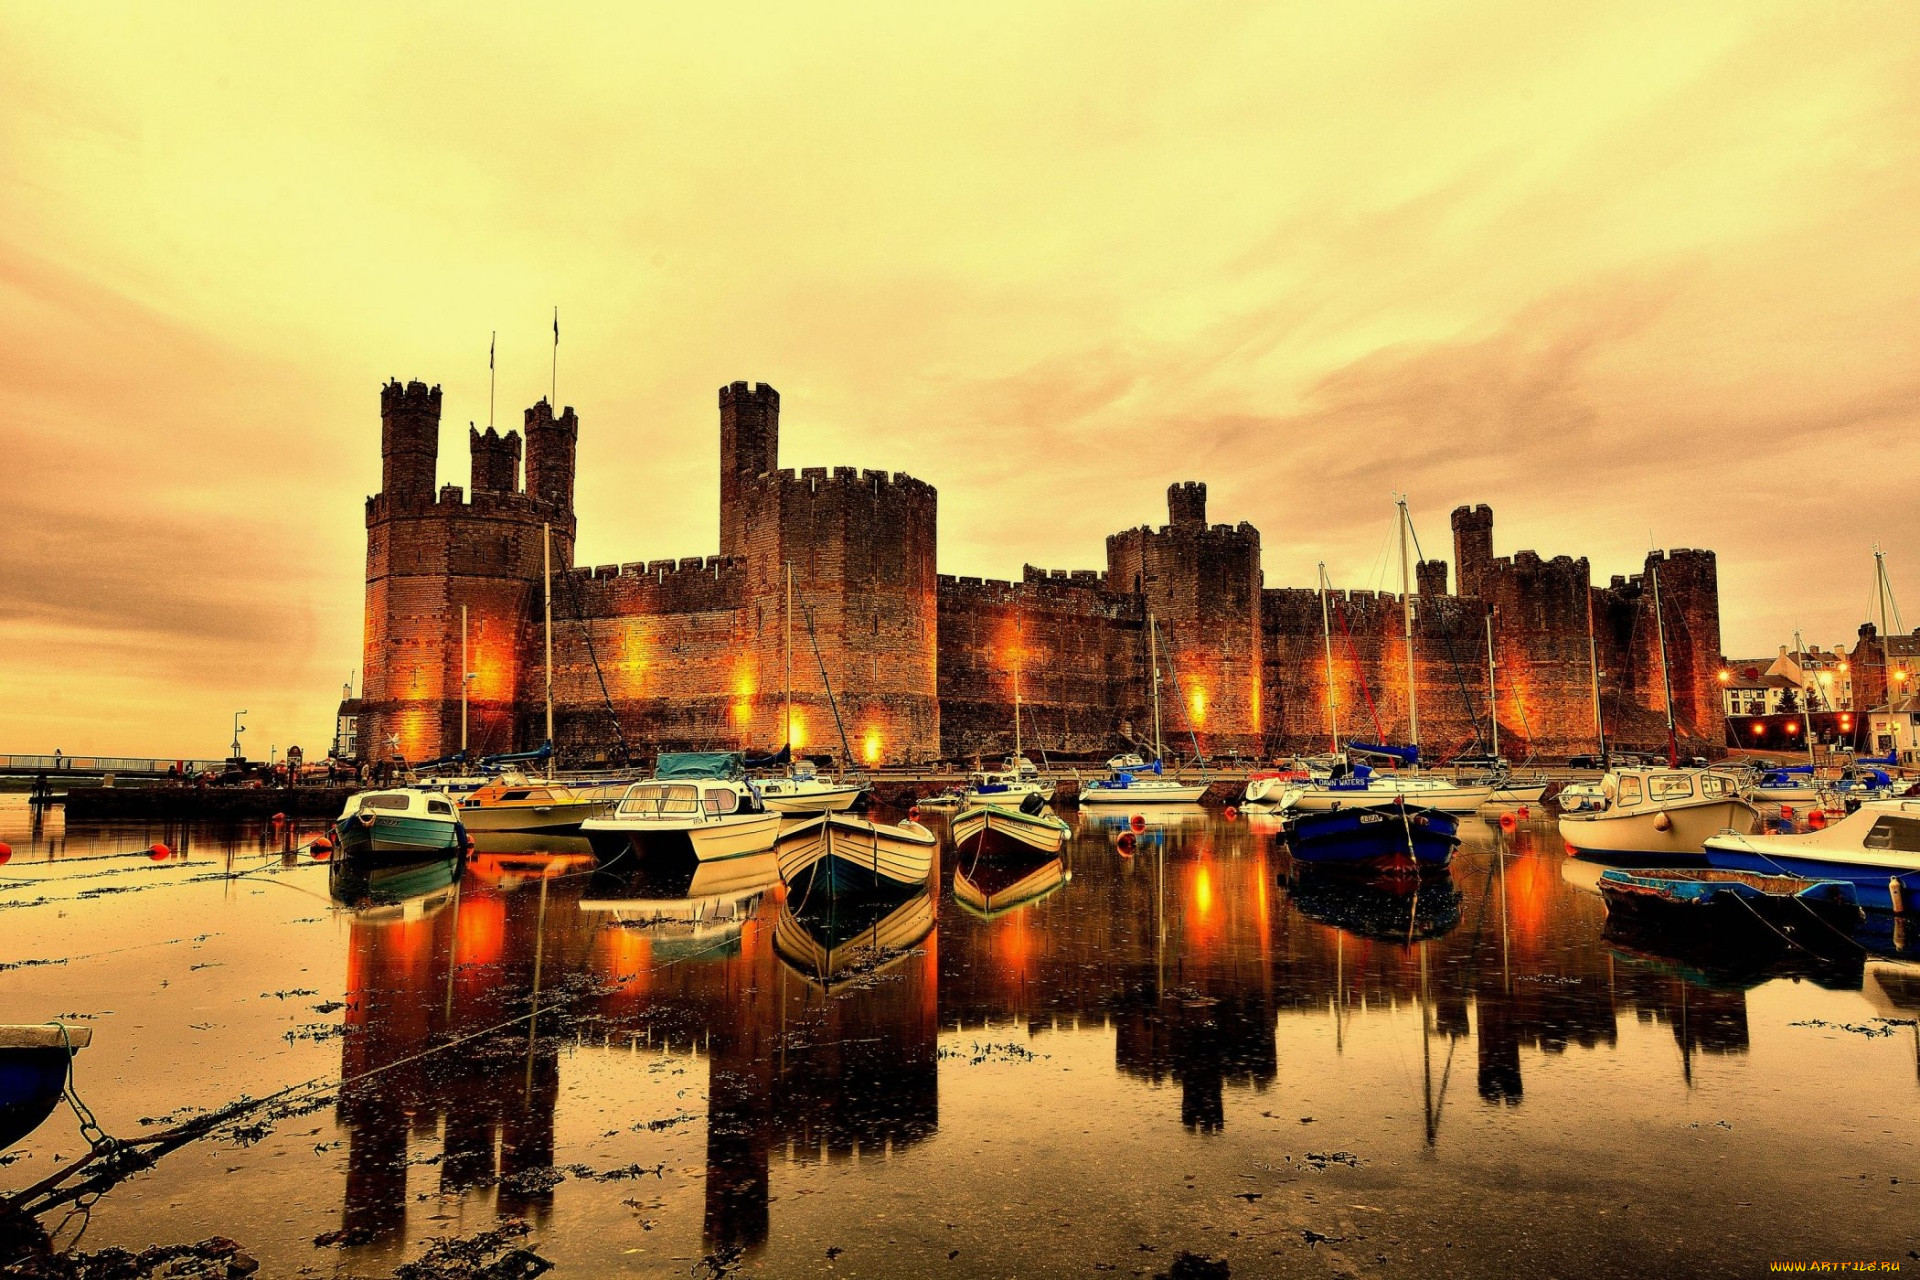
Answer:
(1635, 274)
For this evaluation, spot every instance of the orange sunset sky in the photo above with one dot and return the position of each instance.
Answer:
(1631, 273)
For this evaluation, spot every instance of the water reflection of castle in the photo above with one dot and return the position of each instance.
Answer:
(1190, 951)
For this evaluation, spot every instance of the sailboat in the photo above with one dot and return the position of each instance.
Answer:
(1507, 790)
(1670, 811)
(1363, 786)
(1143, 783)
(1009, 787)
(802, 790)
(1270, 786)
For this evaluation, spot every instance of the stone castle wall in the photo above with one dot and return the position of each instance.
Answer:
(693, 653)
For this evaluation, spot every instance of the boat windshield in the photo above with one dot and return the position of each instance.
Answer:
(378, 801)
(1630, 793)
(720, 801)
(658, 800)
(439, 806)
(1714, 784)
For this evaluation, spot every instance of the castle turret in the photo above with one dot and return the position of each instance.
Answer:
(550, 446)
(749, 447)
(1472, 547)
(496, 460)
(1187, 505)
(409, 442)
(1432, 576)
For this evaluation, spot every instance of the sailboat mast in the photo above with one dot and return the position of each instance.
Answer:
(1666, 675)
(1153, 651)
(1493, 689)
(1406, 617)
(788, 620)
(1326, 641)
(1016, 689)
(464, 668)
(546, 542)
(1806, 693)
(1886, 633)
(1593, 668)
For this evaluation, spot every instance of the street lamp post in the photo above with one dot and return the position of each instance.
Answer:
(238, 729)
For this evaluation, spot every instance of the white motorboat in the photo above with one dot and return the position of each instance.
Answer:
(401, 822)
(696, 800)
(837, 853)
(513, 802)
(1652, 811)
(1368, 788)
(1139, 789)
(1876, 848)
(805, 791)
(990, 829)
(1006, 788)
(1267, 786)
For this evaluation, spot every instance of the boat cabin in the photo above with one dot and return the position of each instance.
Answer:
(678, 801)
(400, 804)
(1650, 790)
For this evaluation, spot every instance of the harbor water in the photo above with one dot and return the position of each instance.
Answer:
(1164, 1056)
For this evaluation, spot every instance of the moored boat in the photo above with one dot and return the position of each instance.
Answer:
(836, 853)
(1656, 812)
(35, 1059)
(990, 829)
(1395, 839)
(1006, 788)
(697, 801)
(1730, 904)
(402, 823)
(512, 803)
(1876, 849)
(804, 791)
(1792, 785)
(1140, 784)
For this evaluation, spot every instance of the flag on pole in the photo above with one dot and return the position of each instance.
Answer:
(490, 344)
(556, 326)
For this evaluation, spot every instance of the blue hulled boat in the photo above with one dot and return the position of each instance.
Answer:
(1876, 849)
(1730, 903)
(1385, 838)
(34, 1061)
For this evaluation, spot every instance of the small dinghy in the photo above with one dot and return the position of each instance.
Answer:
(1389, 838)
(1735, 903)
(837, 853)
(34, 1061)
(994, 829)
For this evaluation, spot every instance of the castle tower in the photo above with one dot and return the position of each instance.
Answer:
(1202, 585)
(749, 447)
(1432, 577)
(550, 449)
(409, 442)
(1187, 504)
(1472, 547)
(496, 460)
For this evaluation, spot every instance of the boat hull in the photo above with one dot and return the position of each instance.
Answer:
(835, 855)
(1742, 908)
(1786, 795)
(989, 830)
(1446, 799)
(1011, 797)
(738, 837)
(834, 800)
(1639, 834)
(1870, 881)
(398, 836)
(33, 1076)
(1374, 840)
(559, 818)
(1144, 793)
(1519, 793)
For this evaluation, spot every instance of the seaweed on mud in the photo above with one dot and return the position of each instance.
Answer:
(216, 1258)
(486, 1255)
(992, 1051)
(1872, 1028)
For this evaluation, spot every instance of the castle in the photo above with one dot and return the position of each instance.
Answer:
(920, 666)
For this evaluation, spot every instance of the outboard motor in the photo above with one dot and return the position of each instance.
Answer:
(1033, 804)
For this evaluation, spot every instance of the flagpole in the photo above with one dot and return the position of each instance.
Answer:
(553, 385)
(491, 377)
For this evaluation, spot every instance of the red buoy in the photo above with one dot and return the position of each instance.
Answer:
(1817, 819)
(1508, 822)
(1524, 813)
(1138, 822)
(1125, 844)
(1230, 813)
(6, 852)
(279, 819)
(1786, 811)
(159, 852)
(913, 814)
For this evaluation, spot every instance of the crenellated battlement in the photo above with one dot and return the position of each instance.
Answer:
(817, 479)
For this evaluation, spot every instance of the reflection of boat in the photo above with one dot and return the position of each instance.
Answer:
(519, 843)
(1392, 909)
(1394, 839)
(990, 829)
(1658, 812)
(1149, 815)
(696, 800)
(1874, 848)
(991, 887)
(34, 1061)
(517, 803)
(696, 903)
(402, 822)
(834, 943)
(407, 889)
(1732, 904)
(508, 870)
(1893, 988)
(837, 853)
